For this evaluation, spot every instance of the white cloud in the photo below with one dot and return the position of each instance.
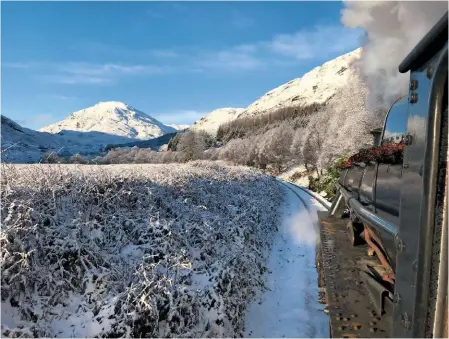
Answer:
(109, 49)
(96, 74)
(80, 80)
(63, 97)
(283, 49)
(88, 73)
(319, 42)
(110, 69)
(17, 64)
(238, 58)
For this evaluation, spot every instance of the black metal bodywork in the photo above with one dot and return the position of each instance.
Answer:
(403, 203)
(377, 186)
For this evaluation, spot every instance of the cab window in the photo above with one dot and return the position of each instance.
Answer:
(396, 123)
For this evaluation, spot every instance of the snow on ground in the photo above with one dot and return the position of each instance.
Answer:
(290, 308)
(179, 127)
(316, 86)
(212, 121)
(318, 197)
(302, 181)
(133, 250)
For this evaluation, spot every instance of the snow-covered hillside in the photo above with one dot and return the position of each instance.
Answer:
(343, 122)
(179, 127)
(317, 86)
(113, 118)
(214, 119)
(24, 145)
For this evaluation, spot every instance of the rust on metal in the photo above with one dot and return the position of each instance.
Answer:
(389, 276)
(348, 303)
(356, 326)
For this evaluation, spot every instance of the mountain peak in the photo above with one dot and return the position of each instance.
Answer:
(113, 105)
(114, 118)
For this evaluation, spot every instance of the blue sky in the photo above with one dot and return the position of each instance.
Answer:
(173, 60)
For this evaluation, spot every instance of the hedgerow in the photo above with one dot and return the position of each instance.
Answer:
(133, 250)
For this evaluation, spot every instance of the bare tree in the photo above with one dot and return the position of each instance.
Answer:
(277, 146)
(192, 145)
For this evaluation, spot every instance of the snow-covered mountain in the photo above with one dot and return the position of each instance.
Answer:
(212, 121)
(317, 86)
(343, 122)
(24, 145)
(113, 118)
(337, 83)
(179, 127)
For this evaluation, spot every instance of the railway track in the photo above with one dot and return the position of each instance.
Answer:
(342, 289)
(289, 184)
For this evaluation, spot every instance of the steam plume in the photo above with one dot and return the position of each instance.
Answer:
(392, 29)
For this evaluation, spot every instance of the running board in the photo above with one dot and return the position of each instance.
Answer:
(352, 313)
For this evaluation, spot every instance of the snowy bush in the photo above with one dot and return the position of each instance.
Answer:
(133, 250)
(78, 159)
(51, 158)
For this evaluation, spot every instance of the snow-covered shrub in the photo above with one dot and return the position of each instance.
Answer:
(78, 159)
(133, 250)
(51, 158)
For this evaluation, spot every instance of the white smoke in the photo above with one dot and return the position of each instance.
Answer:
(392, 29)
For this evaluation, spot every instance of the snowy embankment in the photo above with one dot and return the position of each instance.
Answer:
(133, 250)
(290, 308)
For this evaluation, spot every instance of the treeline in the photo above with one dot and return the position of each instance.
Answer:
(275, 150)
(184, 147)
(312, 136)
(254, 125)
(273, 141)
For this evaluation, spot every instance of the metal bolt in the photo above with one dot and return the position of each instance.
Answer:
(373, 329)
(408, 139)
(338, 318)
(405, 321)
(356, 326)
(341, 328)
(413, 85)
(353, 315)
(429, 72)
(399, 244)
(396, 298)
(421, 170)
(372, 323)
(413, 98)
(370, 252)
